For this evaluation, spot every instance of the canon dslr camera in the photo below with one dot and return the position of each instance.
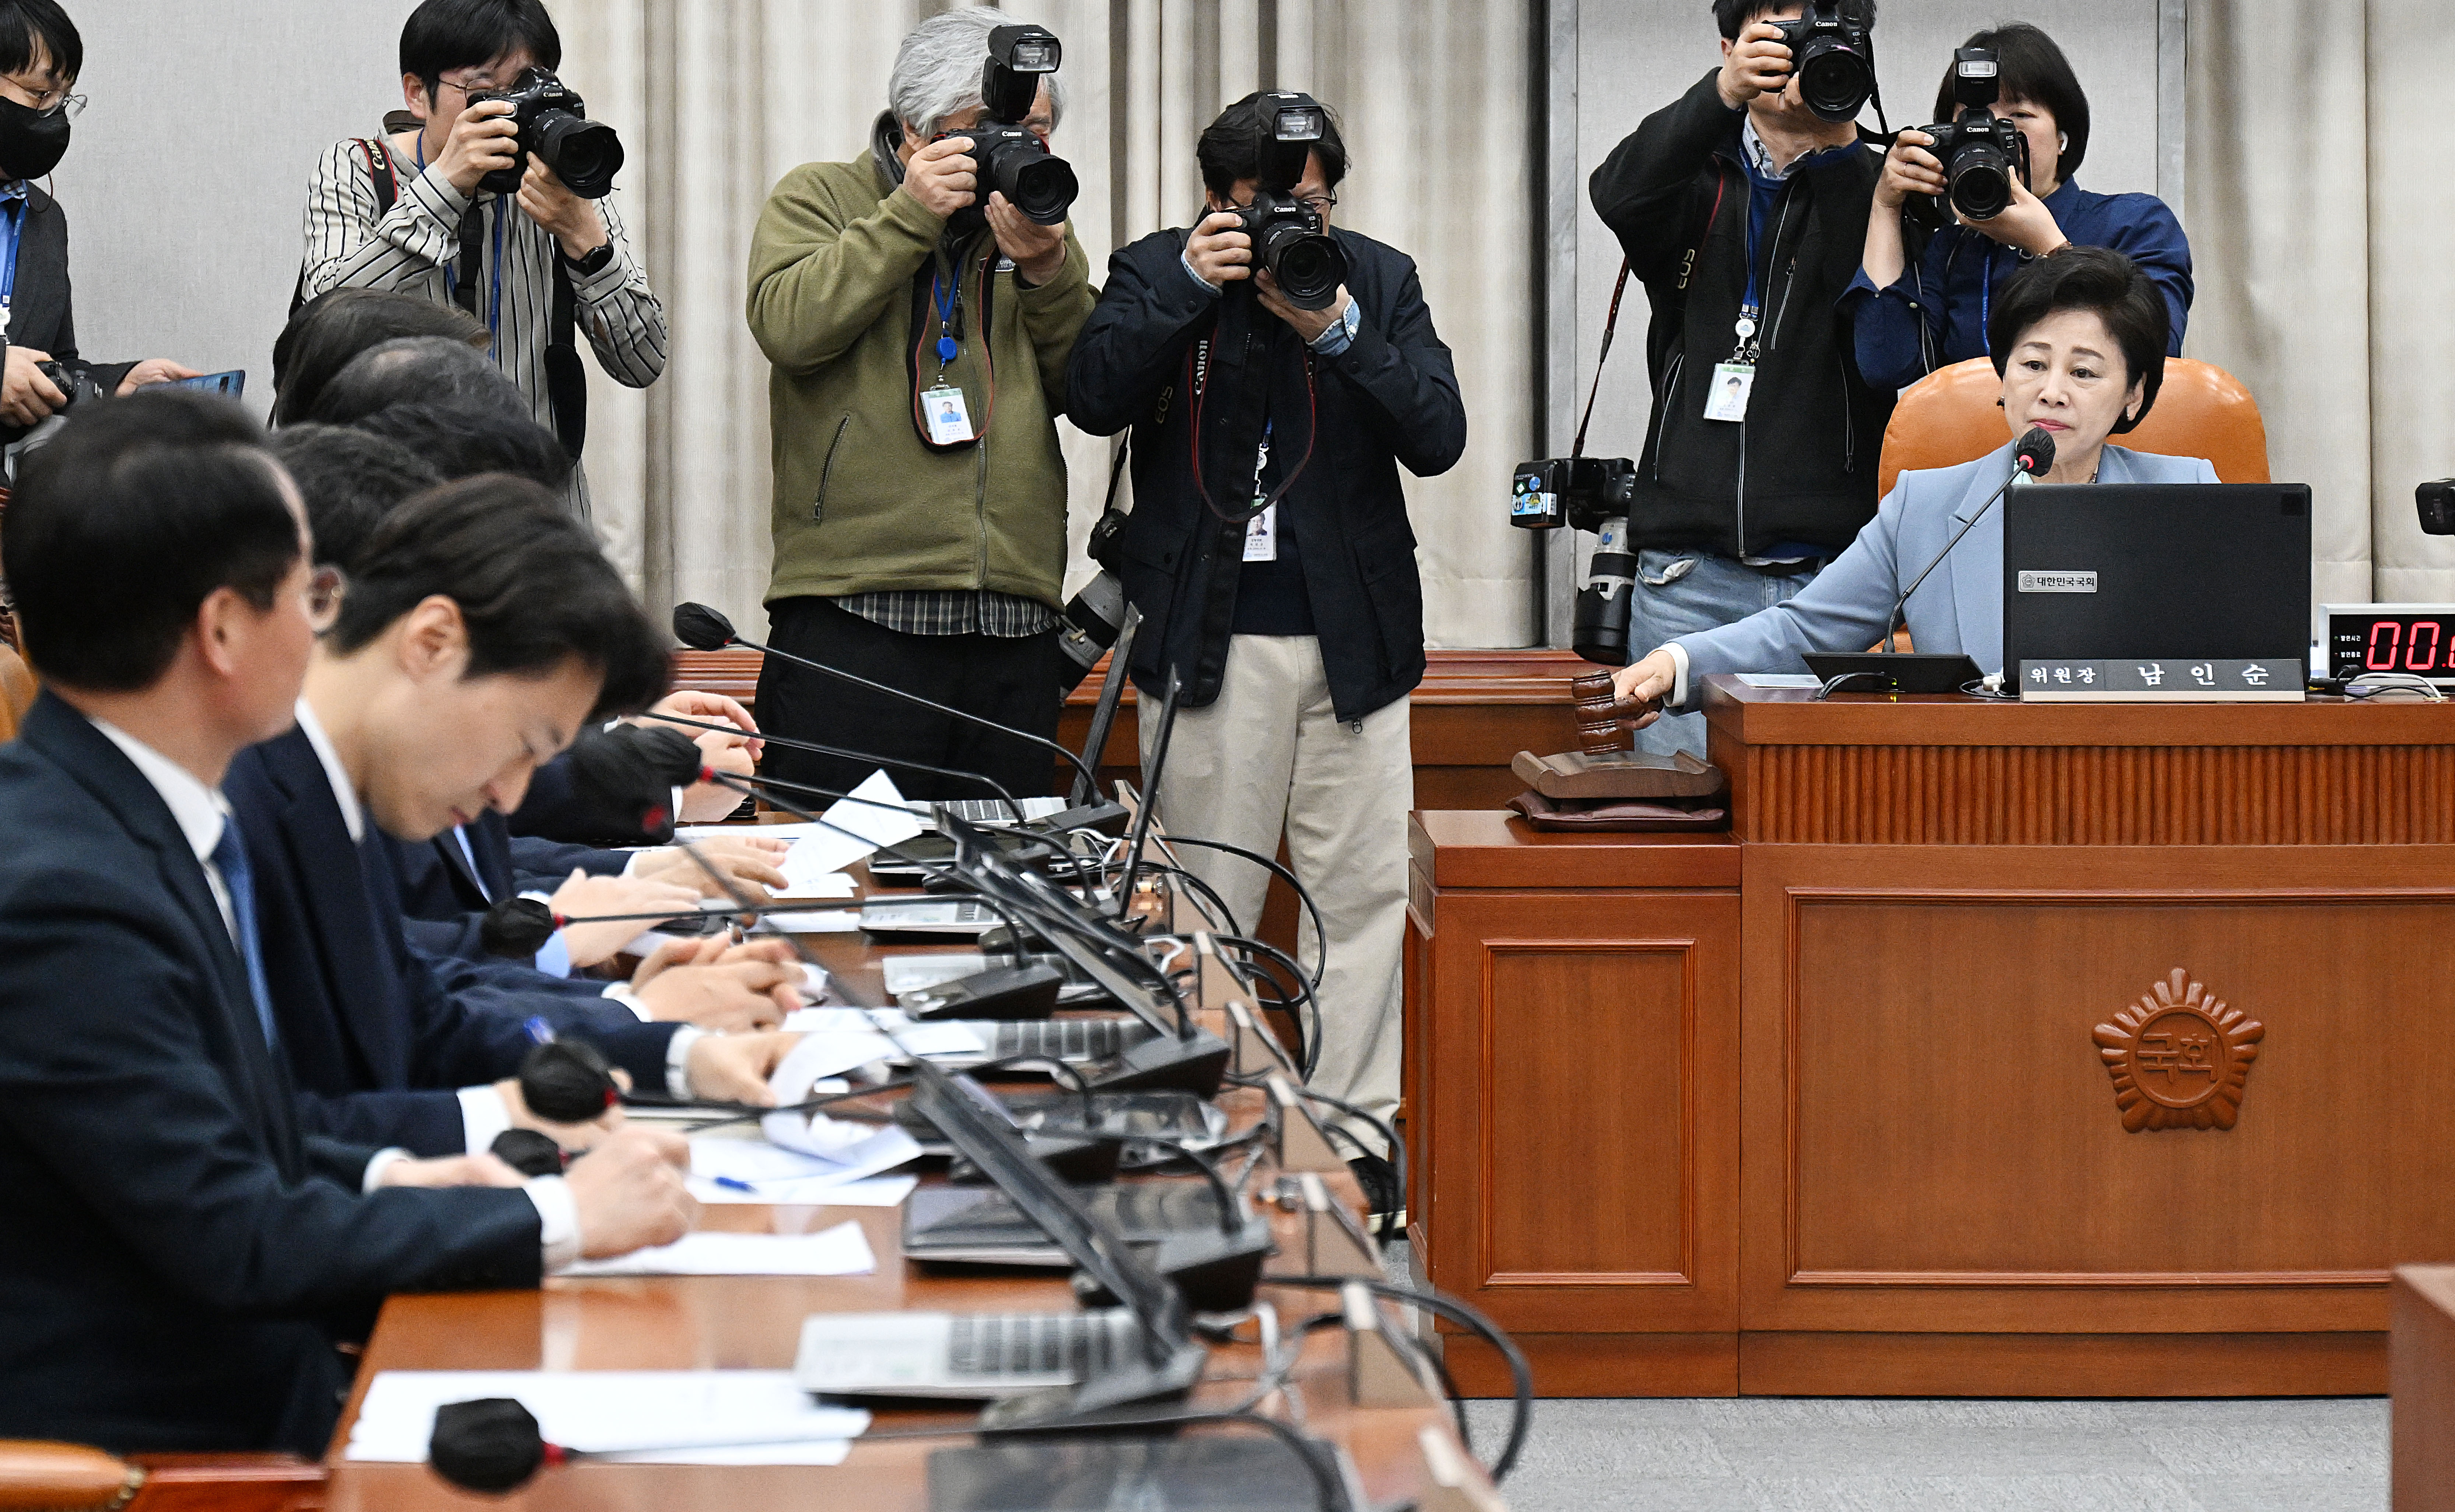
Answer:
(1833, 53)
(1588, 493)
(1014, 161)
(1979, 150)
(1289, 237)
(554, 125)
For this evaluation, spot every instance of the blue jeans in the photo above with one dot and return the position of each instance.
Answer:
(1681, 592)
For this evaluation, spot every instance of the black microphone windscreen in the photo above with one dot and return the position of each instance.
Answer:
(2035, 453)
(631, 771)
(701, 628)
(528, 1151)
(515, 928)
(492, 1446)
(567, 1082)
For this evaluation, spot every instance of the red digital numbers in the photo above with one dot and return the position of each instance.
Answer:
(2398, 646)
(2416, 659)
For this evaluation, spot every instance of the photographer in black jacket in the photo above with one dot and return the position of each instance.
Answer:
(1297, 628)
(1745, 216)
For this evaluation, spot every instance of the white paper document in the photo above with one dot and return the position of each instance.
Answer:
(808, 1191)
(830, 921)
(1778, 679)
(816, 889)
(737, 1416)
(840, 1251)
(853, 829)
(725, 1164)
(864, 1044)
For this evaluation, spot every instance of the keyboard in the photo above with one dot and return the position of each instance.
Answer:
(989, 810)
(1070, 1039)
(1079, 1345)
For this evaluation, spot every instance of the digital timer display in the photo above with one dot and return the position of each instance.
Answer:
(2415, 638)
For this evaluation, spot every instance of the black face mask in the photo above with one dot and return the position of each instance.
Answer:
(31, 143)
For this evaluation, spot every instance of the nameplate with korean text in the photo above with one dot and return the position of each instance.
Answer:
(2278, 680)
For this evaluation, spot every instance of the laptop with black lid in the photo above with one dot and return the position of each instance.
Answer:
(2177, 573)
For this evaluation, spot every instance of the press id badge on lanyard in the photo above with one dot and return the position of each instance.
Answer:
(1262, 531)
(1726, 397)
(950, 419)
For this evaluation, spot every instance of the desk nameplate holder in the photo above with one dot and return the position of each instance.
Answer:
(1382, 1369)
(2269, 680)
(1451, 1486)
(1255, 1050)
(1332, 1244)
(1301, 1145)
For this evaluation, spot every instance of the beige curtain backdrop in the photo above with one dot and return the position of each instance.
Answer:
(2321, 237)
(716, 99)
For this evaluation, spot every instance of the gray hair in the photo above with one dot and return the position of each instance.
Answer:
(938, 68)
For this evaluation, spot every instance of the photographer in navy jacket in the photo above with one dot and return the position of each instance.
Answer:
(1914, 313)
(1298, 632)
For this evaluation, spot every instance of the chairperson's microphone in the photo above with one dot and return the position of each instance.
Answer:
(2032, 454)
(703, 630)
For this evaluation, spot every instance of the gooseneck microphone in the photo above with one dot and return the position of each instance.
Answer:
(2032, 454)
(983, 779)
(703, 630)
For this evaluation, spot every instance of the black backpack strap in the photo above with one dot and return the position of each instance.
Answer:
(387, 194)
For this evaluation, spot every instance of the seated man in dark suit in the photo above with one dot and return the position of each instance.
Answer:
(350, 480)
(481, 628)
(179, 1256)
(40, 57)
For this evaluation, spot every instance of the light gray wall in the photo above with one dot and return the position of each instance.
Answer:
(1615, 62)
(186, 175)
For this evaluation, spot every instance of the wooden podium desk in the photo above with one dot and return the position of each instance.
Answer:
(755, 1323)
(1830, 1104)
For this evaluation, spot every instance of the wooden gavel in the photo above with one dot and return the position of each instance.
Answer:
(1598, 726)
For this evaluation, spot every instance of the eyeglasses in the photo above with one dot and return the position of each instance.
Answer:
(324, 593)
(47, 102)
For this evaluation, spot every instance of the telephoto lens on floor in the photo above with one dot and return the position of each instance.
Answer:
(565, 1081)
(515, 928)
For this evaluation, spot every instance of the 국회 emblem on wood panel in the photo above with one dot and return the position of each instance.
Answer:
(2179, 1057)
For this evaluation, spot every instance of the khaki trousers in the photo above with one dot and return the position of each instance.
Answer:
(1270, 756)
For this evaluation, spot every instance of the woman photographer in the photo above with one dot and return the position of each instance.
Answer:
(2080, 337)
(1910, 317)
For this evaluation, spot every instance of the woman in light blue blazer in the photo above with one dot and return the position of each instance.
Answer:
(2080, 337)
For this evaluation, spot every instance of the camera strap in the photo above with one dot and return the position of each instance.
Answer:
(387, 188)
(1611, 329)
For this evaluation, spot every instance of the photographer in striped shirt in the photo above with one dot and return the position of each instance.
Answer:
(540, 266)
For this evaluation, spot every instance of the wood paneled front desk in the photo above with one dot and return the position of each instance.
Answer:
(1998, 1049)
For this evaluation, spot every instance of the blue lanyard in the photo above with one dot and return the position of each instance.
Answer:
(16, 212)
(947, 345)
(1985, 299)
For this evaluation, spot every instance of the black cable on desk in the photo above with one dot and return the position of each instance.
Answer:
(1320, 935)
(1521, 1375)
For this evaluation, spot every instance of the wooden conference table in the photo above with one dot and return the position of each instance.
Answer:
(755, 1322)
(1998, 1049)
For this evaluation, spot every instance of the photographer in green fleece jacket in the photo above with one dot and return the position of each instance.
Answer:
(919, 340)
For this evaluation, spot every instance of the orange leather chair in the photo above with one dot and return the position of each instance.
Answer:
(16, 691)
(1950, 416)
(62, 1476)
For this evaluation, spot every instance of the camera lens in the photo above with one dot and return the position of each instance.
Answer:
(1599, 631)
(1981, 182)
(1835, 80)
(584, 154)
(1033, 180)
